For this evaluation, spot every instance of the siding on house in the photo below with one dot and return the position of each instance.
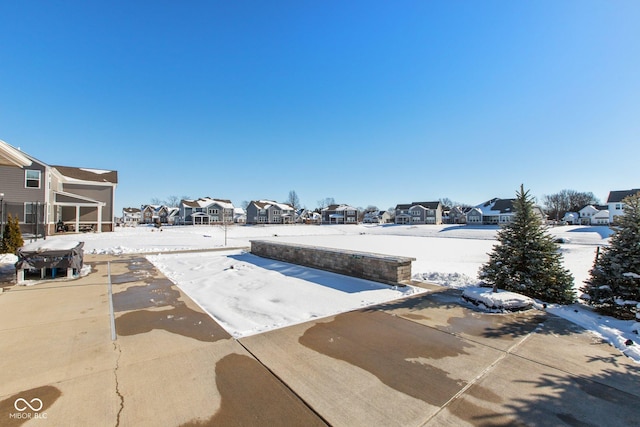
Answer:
(207, 211)
(60, 192)
(339, 214)
(269, 212)
(614, 202)
(419, 213)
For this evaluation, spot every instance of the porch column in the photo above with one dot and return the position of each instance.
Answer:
(77, 229)
(99, 226)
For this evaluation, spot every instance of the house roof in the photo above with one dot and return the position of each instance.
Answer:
(87, 174)
(266, 204)
(337, 208)
(602, 214)
(617, 196)
(208, 201)
(428, 205)
(496, 206)
(10, 156)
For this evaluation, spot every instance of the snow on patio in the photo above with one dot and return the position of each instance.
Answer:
(448, 255)
(247, 294)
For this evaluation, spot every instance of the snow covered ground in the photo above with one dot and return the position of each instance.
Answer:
(247, 294)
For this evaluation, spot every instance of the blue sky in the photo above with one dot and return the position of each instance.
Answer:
(370, 103)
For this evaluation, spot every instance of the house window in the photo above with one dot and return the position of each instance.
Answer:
(30, 213)
(213, 211)
(32, 178)
(276, 212)
(618, 206)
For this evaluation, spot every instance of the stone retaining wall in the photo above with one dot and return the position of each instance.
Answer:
(392, 270)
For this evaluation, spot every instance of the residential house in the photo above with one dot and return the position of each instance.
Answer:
(269, 212)
(474, 216)
(614, 202)
(306, 216)
(496, 212)
(601, 218)
(377, 217)
(571, 218)
(206, 211)
(419, 213)
(130, 217)
(40, 195)
(458, 215)
(592, 214)
(339, 214)
(239, 216)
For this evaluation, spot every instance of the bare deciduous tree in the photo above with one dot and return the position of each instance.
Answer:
(293, 199)
(557, 205)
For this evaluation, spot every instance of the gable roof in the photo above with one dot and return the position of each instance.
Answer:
(617, 196)
(87, 174)
(427, 205)
(337, 208)
(496, 206)
(10, 156)
(208, 201)
(266, 204)
(403, 206)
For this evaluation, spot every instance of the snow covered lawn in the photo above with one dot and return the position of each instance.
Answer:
(257, 295)
(247, 294)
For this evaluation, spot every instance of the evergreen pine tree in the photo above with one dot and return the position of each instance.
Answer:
(12, 236)
(614, 284)
(527, 259)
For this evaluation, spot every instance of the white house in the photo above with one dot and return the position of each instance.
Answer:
(614, 202)
(131, 217)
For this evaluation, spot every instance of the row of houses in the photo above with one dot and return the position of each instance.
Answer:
(48, 198)
(601, 214)
(209, 211)
(494, 211)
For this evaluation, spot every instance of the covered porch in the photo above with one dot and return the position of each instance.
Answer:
(77, 213)
(200, 218)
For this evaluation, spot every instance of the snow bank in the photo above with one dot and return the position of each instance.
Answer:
(497, 301)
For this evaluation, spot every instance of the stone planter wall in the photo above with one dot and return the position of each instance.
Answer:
(392, 270)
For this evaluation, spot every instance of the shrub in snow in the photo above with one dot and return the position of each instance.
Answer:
(614, 282)
(12, 236)
(526, 259)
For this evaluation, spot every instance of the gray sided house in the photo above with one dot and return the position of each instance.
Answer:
(458, 215)
(339, 214)
(207, 211)
(419, 213)
(42, 195)
(496, 212)
(157, 214)
(270, 212)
